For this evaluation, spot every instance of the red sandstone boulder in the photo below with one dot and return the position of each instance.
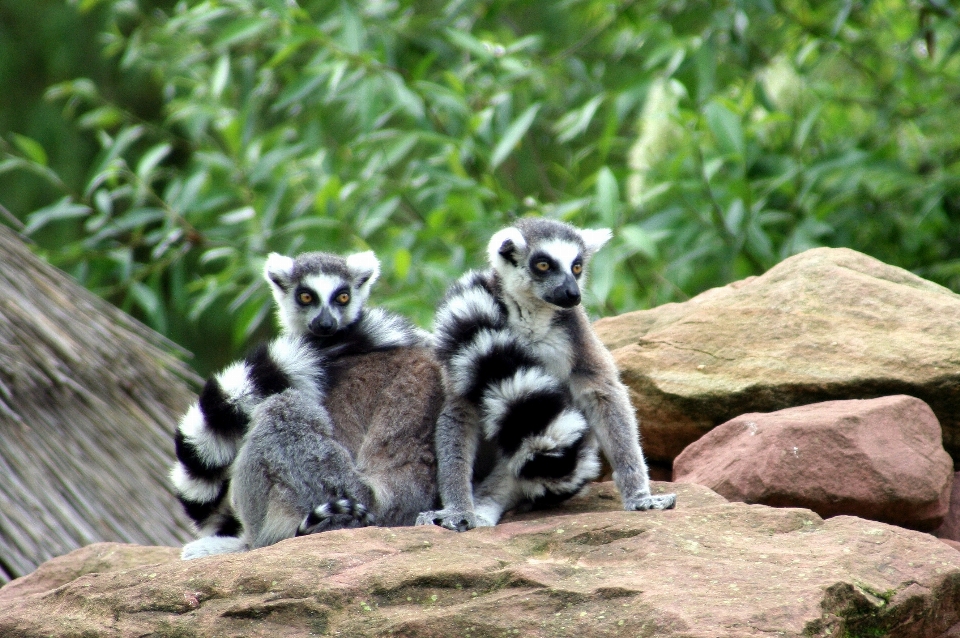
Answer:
(824, 325)
(880, 459)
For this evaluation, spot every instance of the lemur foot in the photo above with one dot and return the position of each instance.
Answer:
(457, 520)
(336, 514)
(650, 502)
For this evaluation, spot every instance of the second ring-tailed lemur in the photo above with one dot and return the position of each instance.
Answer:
(329, 425)
(531, 391)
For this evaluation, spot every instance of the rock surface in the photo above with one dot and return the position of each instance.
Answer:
(950, 529)
(827, 324)
(880, 459)
(708, 568)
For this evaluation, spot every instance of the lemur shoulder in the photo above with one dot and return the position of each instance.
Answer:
(531, 391)
(329, 425)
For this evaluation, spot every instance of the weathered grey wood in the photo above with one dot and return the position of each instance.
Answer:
(89, 400)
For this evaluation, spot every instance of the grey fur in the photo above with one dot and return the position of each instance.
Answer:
(537, 313)
(290, 466)
(315, 418)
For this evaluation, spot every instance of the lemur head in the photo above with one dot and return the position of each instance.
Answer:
(544, 259)
(320, 293)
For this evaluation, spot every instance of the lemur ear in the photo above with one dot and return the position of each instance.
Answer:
(364, 267)
(278, 271)
(595, 238)
(506, 244)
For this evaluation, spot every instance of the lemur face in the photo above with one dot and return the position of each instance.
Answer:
(544, 259)
(320, 293)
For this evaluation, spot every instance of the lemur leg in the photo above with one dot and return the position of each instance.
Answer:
(338, 495)
(498, 493)
(607, 408)
(290, 469)
(457, 439)
(320, 490)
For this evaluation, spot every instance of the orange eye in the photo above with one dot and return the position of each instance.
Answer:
(305, 298)
(577, 269)
(343, 298)
(542, 266)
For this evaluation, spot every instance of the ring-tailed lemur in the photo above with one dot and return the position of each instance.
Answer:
(358, 384)
(531, 391)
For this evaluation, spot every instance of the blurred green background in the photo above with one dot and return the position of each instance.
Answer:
(157, 151)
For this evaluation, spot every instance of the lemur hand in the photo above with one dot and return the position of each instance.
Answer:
(457, 520)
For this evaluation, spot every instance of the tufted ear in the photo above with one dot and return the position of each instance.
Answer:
(506, 245)
(278, 271)
(595, 238)
(364, 268)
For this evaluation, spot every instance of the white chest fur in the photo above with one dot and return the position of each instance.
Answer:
(548, 343)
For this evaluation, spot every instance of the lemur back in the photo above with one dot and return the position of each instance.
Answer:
(525, 372)
(329, 340)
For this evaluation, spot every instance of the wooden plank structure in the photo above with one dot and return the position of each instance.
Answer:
(89, 399)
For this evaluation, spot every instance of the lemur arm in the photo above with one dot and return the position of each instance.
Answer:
(605, 403)
(457, 438)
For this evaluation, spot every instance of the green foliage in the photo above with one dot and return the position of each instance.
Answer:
(715, 139)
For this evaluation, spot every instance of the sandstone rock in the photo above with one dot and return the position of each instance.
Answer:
(823, 325)
(708, 568)
(950, 529)
(950, 543)
(880, 459)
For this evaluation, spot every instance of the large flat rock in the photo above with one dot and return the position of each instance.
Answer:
(708, 568)
(827, 324)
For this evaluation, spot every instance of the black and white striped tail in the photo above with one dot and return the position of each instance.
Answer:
(209, 435)
(529, 414)
(338, 514)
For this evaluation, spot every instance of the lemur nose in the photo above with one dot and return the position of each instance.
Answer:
(323, 324)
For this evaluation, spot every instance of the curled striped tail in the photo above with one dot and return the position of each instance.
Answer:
(542, 437)
(211, 432)
(337, 514)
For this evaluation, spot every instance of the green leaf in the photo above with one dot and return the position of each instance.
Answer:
(115, 149)
(238, 216)
(214, 254)
(241, 31)
(402, 259)
(726, 128)
(517, 129)
(221, 73)
(63, 209)
(150, 160)
(606, 197)
(102, 117)
(409, 100)
(567, 210)
(469, 43)
(602, 275)
(640, 240)
(377, 217)
(249, 318)
(576, 122)
(733, 217)
(31, 148)
(146, 299)
(759, 243)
